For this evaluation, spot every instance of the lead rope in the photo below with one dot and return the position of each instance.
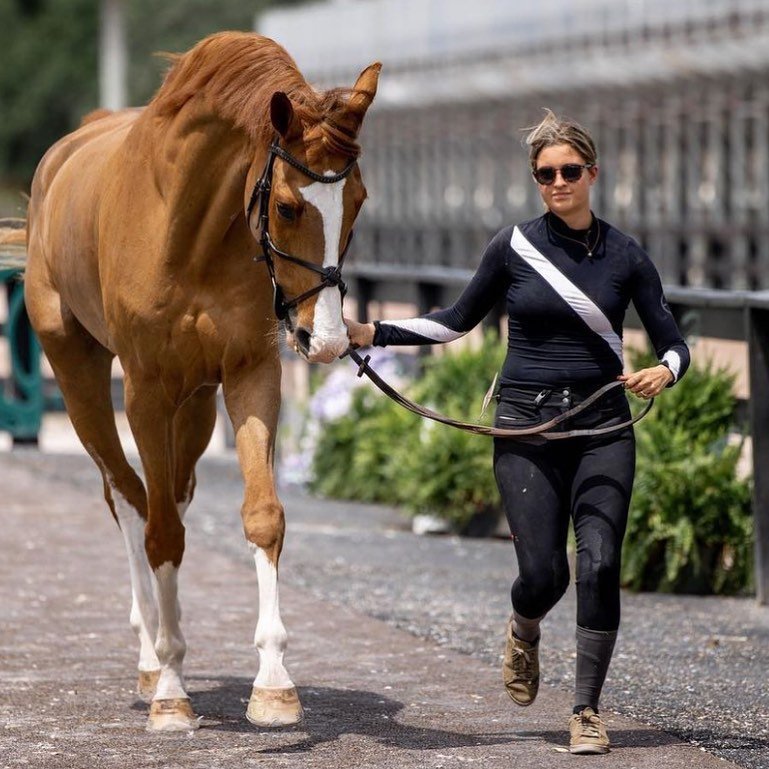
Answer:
(498, 432)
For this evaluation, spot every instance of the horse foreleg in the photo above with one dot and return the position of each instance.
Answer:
(253, 402)
(151, 419)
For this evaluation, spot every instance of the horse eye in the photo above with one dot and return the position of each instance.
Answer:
(286, 212)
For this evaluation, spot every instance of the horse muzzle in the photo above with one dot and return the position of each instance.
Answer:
(317, 349)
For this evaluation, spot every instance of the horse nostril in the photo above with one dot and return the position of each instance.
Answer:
(302, 337)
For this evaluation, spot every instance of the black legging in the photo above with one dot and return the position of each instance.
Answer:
(543, 485)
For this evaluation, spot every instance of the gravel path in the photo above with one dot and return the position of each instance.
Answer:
(696, 667)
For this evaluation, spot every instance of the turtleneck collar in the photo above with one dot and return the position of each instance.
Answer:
(560, 227)
(588, 239)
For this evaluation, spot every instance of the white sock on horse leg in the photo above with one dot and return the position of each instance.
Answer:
(526, 629)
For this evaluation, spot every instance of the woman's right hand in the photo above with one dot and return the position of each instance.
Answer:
(361, 334)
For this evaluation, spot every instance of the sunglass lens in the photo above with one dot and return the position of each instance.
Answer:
(545, 175)
(571, 172)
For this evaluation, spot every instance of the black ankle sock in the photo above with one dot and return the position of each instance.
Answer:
(579, 708)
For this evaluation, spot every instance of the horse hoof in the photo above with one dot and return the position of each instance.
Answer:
(274, 707)
(172, 716)
(147, 683)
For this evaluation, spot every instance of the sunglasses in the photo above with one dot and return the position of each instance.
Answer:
(571, 172)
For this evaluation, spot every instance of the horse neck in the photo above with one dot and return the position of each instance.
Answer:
(201, 168)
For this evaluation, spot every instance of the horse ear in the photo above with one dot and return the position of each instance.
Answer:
(364, 91)
(282, 116)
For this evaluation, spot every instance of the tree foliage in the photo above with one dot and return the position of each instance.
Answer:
(176, 26)
(48, 78)
(49, 74)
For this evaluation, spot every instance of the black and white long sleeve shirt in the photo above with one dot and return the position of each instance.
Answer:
(566, 304)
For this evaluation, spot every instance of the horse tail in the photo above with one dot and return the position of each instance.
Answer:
(13, 244)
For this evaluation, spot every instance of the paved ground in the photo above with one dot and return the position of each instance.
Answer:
(394, 644)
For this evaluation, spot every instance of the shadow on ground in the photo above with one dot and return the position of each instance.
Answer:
(331, 713)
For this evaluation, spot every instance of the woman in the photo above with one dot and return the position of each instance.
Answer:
(568, 278)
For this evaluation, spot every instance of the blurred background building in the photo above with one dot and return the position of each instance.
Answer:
(675, 93)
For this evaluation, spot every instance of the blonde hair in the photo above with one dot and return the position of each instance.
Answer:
(553, 130)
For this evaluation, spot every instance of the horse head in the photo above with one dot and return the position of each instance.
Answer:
(309, 194)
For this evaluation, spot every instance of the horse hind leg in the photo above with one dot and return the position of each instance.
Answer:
(193, 426)
(83, 371)
(151, 416)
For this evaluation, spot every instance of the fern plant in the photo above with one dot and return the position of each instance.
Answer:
(690, 525)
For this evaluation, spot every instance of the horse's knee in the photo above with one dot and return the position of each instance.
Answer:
(164, 543)
(264, 524)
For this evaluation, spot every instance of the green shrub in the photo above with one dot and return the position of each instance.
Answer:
(447, 473)
(353, 456)
(690, 525)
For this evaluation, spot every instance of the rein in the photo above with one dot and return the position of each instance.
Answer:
(541, 430)
(330, 276)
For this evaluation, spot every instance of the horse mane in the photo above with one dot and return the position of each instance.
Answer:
(238, 72)
(94, 115)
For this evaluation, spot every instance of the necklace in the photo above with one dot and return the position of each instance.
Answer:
(586, 243)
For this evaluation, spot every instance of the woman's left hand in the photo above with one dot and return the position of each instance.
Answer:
(648, 382)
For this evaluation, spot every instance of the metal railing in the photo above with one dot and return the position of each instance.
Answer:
(682, 167)
(676, 95)
(464, 43)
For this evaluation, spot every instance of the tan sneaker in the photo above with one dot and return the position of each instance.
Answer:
(588, 734)
(520, 669)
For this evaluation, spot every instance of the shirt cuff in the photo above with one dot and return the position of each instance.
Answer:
(377, 341)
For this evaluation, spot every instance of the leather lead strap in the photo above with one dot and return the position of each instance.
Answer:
(542, 430)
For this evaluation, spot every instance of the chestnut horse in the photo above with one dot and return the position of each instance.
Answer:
(141, 245)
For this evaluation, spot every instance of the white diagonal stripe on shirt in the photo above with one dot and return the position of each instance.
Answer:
(582, 304)
(429, 329)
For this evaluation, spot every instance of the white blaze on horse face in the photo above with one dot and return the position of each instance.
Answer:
(270, 637)
(329, 333)
(144, 615)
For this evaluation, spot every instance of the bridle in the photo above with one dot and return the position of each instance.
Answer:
(330, 276)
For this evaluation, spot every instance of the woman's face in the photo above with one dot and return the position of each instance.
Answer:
(567, 200)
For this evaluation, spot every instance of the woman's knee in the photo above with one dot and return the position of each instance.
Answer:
(536, 591)
(598, 596)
